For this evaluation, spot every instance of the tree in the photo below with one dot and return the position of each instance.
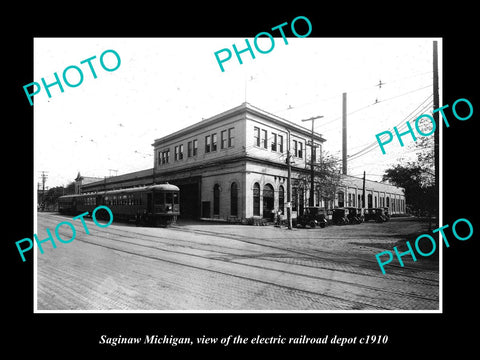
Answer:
(70, 189)
(418, 177)
(53, 194)
(419, 190)
(327, 177)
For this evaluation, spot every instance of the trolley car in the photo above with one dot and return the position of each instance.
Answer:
(156, 205)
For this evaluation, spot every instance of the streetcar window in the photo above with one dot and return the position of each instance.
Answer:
(169, 199)
(175, 198)
(159, 198)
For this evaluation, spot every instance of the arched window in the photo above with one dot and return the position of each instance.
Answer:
(268, 200)
(341, 199)
(234, 199)
(281, 199)
(294, 199)
(216, 199)
(301, 200)
(369, 200)
(256, 199)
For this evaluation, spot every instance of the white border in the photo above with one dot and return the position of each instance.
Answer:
(440, 294)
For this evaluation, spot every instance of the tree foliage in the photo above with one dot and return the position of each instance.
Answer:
(418, 178)
(327, 176)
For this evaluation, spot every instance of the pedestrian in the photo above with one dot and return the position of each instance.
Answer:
(278, 218)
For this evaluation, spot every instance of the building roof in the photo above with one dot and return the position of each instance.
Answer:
(369, 184)
(124, 177)
(243, 108)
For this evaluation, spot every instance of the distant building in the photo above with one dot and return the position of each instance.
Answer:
(377, 194)
(80, 181)
(233, 165)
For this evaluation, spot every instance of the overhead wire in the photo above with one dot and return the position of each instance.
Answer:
(419, 109)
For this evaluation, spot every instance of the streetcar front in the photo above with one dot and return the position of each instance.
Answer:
(166, 203)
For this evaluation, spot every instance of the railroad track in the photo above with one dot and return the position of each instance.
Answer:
(220, 260)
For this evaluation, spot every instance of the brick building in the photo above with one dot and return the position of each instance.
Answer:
(233, 165)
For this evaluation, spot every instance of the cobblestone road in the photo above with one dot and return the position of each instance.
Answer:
(202, 266)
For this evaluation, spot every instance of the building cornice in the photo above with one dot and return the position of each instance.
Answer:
(244, 108)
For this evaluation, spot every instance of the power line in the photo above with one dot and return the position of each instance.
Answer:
(374, 144)
(325, 124)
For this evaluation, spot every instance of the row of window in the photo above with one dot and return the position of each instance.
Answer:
(268, 199)
(298, 205)
(395, 204)
(269, 196)
(216, 200)
(126, 199)
(260, 139)
(89, 200)
(226, 140)
(227, 137)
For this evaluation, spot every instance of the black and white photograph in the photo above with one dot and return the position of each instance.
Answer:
(226, 180)
(262, 187)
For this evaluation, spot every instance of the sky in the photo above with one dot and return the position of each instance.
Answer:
(106, 126)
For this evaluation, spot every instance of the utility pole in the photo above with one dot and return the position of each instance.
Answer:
(44, 179)
(289, 185)
(311, 201)
(436, 105)
(344, 134)
(363, 191)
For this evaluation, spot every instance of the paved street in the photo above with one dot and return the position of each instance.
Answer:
(203, 266)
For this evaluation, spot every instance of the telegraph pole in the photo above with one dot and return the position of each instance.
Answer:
(436, 105)
(311, 201)
(344, 134)
(44, 179)
(363, 191)
(289, 185)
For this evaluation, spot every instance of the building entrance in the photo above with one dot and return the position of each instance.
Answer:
(268, 201)
(189, 197)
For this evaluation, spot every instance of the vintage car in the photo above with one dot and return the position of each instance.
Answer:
(376, 214)
(313, 216)
(340, 216)
(355, 215)
(386, 213)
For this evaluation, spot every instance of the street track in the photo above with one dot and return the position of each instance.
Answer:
(205, 254)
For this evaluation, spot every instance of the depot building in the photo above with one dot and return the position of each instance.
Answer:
(232, 166)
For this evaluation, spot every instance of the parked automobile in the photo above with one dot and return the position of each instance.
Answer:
(355, 215)
(376, 214)
(312, 216)
(387, 213)
(340, 216)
